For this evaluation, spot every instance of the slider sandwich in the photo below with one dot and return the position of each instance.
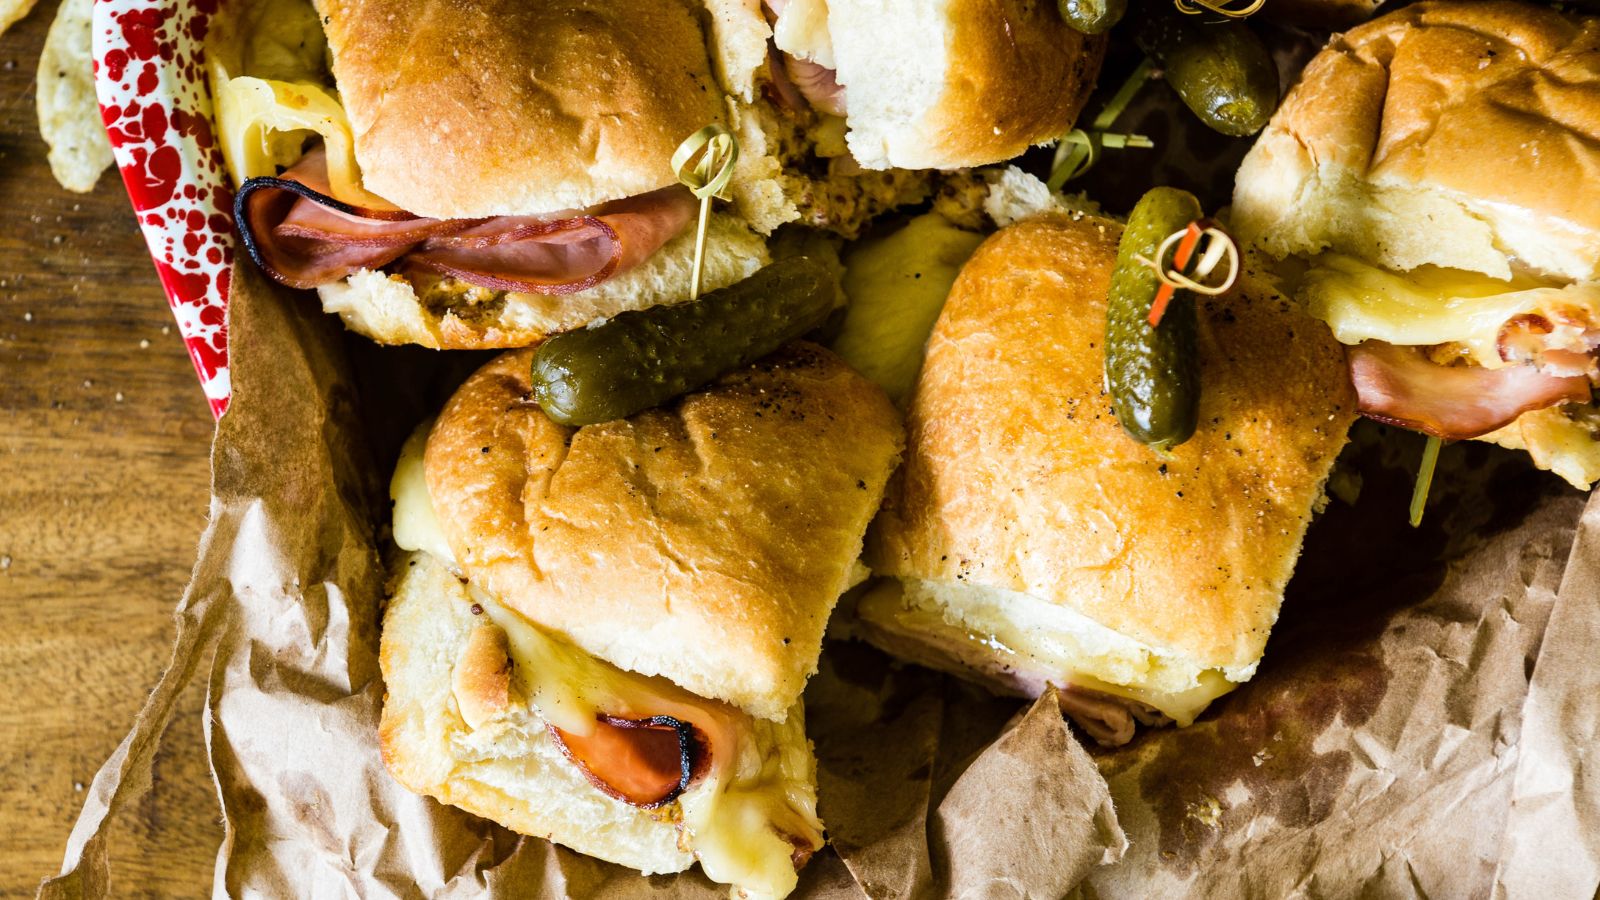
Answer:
(1027, 542)
(487, 173)
(1431, 186)
(600, 635)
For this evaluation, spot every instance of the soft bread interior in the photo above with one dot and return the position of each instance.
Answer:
(1309, 208)
(1006, 639)
(446, 738)
(444, 313)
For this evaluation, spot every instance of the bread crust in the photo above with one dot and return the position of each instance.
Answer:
(519, 107)
(706, 542)
(1479, 119)
(1010, 74)
(1019, 76)
(1018, 476)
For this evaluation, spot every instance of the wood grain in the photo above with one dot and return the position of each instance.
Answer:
(104, 437)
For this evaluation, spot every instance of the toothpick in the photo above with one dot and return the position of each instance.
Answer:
(1419, 493)
(1080, 148)
(704, 164)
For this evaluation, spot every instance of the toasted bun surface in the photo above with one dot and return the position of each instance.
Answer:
(706, 542)
(942, 85)
(511, 107)
(1019, 479)
(446, 314)
(1455, 134)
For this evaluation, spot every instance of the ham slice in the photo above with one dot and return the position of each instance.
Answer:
(1399, 386)
(797, 81)
(303, 237)
(642, 762)
(1109, 719)
(559, 256)
(817, 83)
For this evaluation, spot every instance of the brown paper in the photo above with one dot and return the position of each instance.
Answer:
(1393, 743)
(281, 618)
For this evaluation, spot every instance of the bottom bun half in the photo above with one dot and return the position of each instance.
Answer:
(508, 768)
(448, 314)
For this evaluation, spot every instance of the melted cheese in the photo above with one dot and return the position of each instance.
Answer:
(1430, 306)
(761, 784)
(415, 525)
(802, 30)
(733, 816)
(897, 285)
(263, 127)
(1050, 642)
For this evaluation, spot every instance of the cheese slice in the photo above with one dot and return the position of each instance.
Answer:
(802, 30)
(1430, 306)
(1056, 645)
(263, 126)
(761, 783)
(897, 285)
(415, 525)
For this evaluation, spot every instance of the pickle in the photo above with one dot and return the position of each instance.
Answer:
(1092, 16)
(1221, 70)
(1152, 372)
(641, 359)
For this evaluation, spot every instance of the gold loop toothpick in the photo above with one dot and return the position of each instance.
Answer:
(1227, 8)
(704, 164)
(1219, 247)
(1076, 154)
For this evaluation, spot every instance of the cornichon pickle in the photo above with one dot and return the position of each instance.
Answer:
(641, 359)
(1092, 16)
(1222, 70)
(1152, 372)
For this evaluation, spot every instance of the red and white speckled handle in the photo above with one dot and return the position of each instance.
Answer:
(150, 80)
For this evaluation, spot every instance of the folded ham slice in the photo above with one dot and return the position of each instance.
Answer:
(1399, 386)
(642, 762)
(799, 82)
(303, 237)
(1109, 719)
(817, 83)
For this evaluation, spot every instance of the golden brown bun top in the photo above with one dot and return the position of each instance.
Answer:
(1018, 476)
(1011, 86)
(963, 83)
(464, 109)
(706, 542)
(1479, 122)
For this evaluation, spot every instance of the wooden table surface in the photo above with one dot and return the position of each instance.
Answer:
(104, 438)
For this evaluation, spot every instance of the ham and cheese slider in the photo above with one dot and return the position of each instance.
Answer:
(492, 171)
(922, 85)
(1028, 542)
(1432, 180)
(600, 635)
